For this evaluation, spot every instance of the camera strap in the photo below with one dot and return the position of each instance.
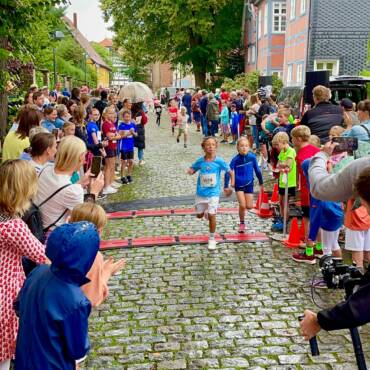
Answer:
(366, 129)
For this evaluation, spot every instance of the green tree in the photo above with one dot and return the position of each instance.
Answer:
(18, 20)
(186, 32)
(104, 53)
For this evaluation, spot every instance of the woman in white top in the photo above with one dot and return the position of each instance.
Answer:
(43, 150)
(255, 106)
(57, 176)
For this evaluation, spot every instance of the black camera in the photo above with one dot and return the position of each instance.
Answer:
(336, 274)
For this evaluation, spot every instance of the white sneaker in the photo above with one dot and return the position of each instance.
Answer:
(142, 162)
(115, 185)
(109, 190)
(212, 244)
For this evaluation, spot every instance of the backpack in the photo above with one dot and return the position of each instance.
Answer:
(33, 217)
(363, 146)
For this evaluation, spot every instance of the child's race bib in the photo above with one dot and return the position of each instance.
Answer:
(208, 180)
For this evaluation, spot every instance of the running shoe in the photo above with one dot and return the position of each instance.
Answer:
(278, 225)
(141, 162)
(318, 253)
(185, 146)
(109, 190)
(130, 179)
(212, 244)
(241, 229)
(115, 184)
(302, 257)
(319, 284)
(124, 180)
(177, 140)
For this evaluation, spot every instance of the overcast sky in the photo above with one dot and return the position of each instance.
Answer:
(90, 20)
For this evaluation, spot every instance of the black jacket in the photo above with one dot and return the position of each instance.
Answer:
(321, 118)
(349, 314)
(139, 140)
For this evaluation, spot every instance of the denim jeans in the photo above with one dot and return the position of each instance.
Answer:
(205, 126)
(140, 154)
(214, 127)
(255, 136)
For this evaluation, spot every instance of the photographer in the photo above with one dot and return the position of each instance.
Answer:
(339, 187)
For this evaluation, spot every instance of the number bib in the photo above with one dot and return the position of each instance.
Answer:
(208, 180)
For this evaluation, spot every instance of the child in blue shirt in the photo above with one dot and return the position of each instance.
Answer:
(324, 215)
(225, 121)
(243, 167)
(94, 133)
(127, 130)
(209, 185)
(234, 122)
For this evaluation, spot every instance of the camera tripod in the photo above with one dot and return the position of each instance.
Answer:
(349, 285)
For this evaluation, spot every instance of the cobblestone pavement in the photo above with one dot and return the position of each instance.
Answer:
(183, 307)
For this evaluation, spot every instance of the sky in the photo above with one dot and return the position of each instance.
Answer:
(90, 20)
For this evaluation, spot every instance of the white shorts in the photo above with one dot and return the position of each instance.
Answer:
(357, 241)
(329, 241)
(209, 204)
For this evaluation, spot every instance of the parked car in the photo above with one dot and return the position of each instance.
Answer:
(352, 87)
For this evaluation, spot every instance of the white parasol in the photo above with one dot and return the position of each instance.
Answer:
(136, 91)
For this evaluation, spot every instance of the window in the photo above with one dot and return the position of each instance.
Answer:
(300, 74)
(259, 29)
(292, 9)
(289, 76)
(278, 74)
(303, 6)
(265, 18)
(330, 65)
(279, 17)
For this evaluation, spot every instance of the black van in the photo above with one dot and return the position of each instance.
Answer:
(352, 87)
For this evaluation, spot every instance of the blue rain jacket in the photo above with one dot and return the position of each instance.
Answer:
(323, 214)
(53, 312)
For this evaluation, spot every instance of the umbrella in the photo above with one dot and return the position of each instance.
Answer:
(136, 91)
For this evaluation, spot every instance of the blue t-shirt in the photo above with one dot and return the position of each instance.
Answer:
(49, 125)
(91, 128)
(127, 143)
(209, 179)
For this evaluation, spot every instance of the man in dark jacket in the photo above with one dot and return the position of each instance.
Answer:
(53, 312)
(324, 115)
(186, 101)
(203, 108)
(101, 104)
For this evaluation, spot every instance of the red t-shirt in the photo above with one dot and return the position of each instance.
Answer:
(110, 127)
(224, 95)
(304, 153)
(173, 113)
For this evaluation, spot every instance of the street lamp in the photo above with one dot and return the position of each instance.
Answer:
(85, 55)
(57, 35)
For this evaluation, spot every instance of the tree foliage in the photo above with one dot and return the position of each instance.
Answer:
(250, 81)
(186, 32)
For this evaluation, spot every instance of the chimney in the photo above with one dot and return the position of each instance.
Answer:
(75, 20)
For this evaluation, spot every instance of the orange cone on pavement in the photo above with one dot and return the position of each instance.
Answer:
(264, 210)
(302, 232)
(275, 194)
(258, 203)
(294, 236)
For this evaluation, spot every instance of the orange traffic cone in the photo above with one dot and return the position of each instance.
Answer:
(258, 203)
(302, 232)
(264, 210)
(294, 236)
(275, 194)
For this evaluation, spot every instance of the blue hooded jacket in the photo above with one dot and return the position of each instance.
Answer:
(53, 312)
(323, 214)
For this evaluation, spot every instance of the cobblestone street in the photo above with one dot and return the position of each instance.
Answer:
(183, 307)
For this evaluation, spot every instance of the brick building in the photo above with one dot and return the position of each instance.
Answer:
(290, 37)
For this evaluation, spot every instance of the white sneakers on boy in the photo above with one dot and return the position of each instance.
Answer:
(109, 190)
(212, 244)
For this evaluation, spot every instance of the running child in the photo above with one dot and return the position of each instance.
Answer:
(288, 174)
(234, 123)
(158, 112)
(209, 185)
(127, 131)
(243, 167)
(173, 111)
(182, 122)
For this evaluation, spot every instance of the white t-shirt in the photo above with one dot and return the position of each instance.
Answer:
(67, 198)
(252, 117)
(38, 166)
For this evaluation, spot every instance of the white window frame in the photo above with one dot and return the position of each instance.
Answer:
(278, 73)
(335, 71)
(280, 6)
(292, 9)
(259, 23)
(303, 6)
(265, 18)
(299, 77)
(289, 75)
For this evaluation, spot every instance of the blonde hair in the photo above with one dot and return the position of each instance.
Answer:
(183, 109)
(302, 132)
(315, 140)
(69, 152)
(284, 112)
(280, 138)
(67, 125)
(122, 112)
(336, 131)
(242, 138)
(37, 130)
(208, 138)
(90, 212)
(321, 93)
(108, 110)
(18, 185)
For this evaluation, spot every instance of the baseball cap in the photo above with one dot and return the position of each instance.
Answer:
(346, 103)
